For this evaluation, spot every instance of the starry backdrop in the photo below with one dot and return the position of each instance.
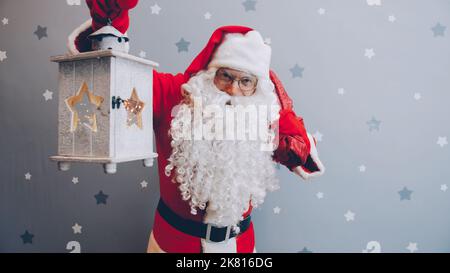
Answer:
(370, 78)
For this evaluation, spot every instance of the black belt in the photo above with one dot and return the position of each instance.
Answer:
(199, 229)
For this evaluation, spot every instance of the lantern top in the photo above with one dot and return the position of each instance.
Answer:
(100, 54)
(108, 31)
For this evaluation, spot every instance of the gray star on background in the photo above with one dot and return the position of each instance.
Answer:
(297, 71)
(305, 250)
(405, 194)
(101, 198)
(41, 32)
(249, 5)
(27, 237)
(183, 45)
(438, 30)
(374, 124)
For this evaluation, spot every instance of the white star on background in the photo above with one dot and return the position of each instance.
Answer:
(417, 96)
(318, 136)
(341, 91)
(369, 53)
(442, 141)
(276, 210)
(156, 9)
(142, 54)
(444, 187)
(77, 228)
(3, 55)
(392, 18)
(47, 95)
(207, 15)
(73, 2)
(321, 11)
(28, 176)
(349, 216)
(374, 2)
(412, 247)
(319, 195)
(362, 168)
(144, 184)
(5, 21)
(75, 180)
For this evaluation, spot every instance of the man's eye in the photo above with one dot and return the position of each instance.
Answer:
(246, 81)
(227, 77)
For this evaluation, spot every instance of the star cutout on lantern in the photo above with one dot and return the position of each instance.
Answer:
(82, 107)
(134, 107)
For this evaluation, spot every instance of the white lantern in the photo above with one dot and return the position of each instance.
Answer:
(105, 110)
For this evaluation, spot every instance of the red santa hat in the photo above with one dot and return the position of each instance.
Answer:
(245, 52)
(243, 48)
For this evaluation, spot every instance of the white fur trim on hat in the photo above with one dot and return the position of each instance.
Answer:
(246, 52)
(73, 36)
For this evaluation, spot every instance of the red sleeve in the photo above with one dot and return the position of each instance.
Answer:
(127, 4)
(293, 144)
(116, 10)
(166, 94)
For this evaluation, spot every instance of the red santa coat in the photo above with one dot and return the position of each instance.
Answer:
(294, 148)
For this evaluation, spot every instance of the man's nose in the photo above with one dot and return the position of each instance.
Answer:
(233, 89)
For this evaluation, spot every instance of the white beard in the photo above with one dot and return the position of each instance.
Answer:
(221, 175)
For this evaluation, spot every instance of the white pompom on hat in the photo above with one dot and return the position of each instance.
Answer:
(245, 52)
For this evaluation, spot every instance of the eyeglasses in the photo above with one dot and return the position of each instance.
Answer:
(224, 79)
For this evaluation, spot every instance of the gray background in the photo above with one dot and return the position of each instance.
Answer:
(403, 152)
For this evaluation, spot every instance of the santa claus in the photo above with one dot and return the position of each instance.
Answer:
(210, 183)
